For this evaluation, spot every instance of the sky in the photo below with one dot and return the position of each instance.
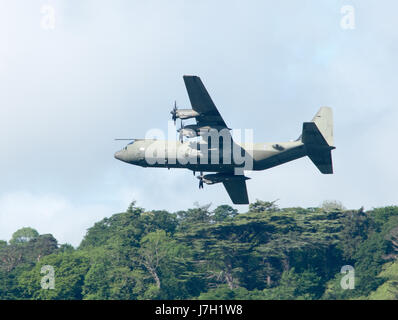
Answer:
(75, 74)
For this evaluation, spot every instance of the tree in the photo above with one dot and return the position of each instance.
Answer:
(66, 247)
(225, 293)
(332, 205)
(159, 220)
(334, 290)
(267, 253)
(168, 264)
(106, 280)
(369, 260)
(113, 273)
(388, 290)
(219, 252)
(194, 216)
(41, 246)
(70, 270)
(224, 212)
(153, 251)
(10, 257)
(22, 252)
(263, 206)
(382, 215)
(286, 290)
(23, 235)
(116, 226)
(224, 262)
(356, 227)
(392, 237)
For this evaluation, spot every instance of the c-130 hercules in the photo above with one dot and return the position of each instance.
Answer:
(226, 155)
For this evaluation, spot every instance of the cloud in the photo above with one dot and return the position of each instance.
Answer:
(53, 214)
(113, 69)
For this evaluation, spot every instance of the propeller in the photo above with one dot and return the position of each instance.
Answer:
(174, 113)
(200, 180)
(127, 139)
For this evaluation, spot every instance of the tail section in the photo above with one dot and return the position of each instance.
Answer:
(324, 121)
(317, 137)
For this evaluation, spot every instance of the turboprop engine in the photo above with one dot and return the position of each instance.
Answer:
(182, 114)
(214, 178)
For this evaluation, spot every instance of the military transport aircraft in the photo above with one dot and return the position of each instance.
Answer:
(223, 157)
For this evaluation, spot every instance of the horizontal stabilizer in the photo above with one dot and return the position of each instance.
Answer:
(322, 159)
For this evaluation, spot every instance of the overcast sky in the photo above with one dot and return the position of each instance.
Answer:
(106, 69)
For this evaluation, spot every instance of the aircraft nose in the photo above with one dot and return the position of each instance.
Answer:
(118, 155)
(122, 155)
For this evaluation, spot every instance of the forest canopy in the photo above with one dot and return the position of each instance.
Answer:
(199, 253)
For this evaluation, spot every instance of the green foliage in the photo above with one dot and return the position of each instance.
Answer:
(22, 253)
(332, 205)
(267, 253)
(168, 264)
(70, 269)
(223, 292)
(195, 216)
(23, 235)
(294, 286)
(263, 206)
(356, 228)
(66, 247)
(388, 290)
(381, 215)
(369, 260)
(110, 275)
(224, 212)
(334, 290)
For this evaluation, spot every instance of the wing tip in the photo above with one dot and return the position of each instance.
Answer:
(240, 202)
(189, 76)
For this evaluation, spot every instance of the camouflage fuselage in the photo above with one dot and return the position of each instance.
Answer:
(199, 157)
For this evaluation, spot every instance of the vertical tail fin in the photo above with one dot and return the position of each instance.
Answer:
(324, 121)
(317, 137)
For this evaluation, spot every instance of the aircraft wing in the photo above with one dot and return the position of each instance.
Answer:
(237, 191)
(201, 102)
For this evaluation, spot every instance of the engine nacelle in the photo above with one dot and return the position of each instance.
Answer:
(193, 130)
(188, 132)
(221, 177)
(186, 114)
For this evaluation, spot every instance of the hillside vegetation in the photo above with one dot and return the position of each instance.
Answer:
(266, 253)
